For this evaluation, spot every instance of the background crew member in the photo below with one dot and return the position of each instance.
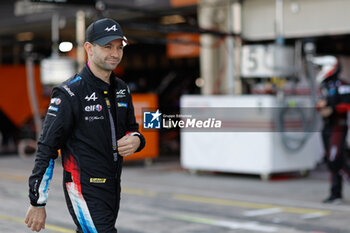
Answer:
(334, 106)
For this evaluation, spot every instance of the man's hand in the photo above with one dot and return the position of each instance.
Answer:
(321, 103)
(323, 109)
(35, 218)
(127, 145)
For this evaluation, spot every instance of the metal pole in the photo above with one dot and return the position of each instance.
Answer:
(55, 32)
(32, 90)
(207, 55)
(80, 37)
(279, 41)
(237, 29)
(230, 44)
(279, 22)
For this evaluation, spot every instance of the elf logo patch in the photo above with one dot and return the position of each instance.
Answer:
(92, 108)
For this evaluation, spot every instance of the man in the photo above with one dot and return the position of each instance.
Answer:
(333, 107)
(91, 119)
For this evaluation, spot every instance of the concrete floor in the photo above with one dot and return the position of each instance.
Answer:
(163, 198)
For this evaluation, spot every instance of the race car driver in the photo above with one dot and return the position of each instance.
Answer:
(91, 119)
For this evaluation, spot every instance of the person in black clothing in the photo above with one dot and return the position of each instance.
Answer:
(91, 119)
(333, 107)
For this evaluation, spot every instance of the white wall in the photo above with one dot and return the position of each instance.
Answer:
(302, 18)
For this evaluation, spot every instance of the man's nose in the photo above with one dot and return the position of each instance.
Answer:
(115, 52)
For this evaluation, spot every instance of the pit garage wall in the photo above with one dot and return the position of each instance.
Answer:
(302, 18)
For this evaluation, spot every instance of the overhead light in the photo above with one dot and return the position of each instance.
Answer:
(65, 46)
(199, 82)
(172, 19)
(24, 36)
(295, 7)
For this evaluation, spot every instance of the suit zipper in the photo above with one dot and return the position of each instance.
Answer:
(113, 128)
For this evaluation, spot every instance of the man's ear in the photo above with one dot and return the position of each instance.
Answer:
(88, 48)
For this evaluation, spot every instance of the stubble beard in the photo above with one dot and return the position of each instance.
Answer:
(105, 65)
(110, 67)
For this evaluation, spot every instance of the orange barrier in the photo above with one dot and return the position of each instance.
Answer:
(14, 100)
(151, 150)
(183, 50)
(182, 3)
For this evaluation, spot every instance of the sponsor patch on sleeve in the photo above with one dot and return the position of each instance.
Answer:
(123, 105)
(55, 101)
(55, 109)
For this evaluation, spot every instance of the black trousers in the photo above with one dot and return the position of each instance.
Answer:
(334, 139)
(93, 206)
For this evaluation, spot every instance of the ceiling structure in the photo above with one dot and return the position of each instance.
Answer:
(145, 21)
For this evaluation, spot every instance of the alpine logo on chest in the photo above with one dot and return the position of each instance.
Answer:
(92, 97)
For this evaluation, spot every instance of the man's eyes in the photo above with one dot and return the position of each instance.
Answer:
(109, 47)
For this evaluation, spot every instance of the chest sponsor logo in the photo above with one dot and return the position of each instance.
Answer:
(94, 118)
(93, 108)
(91, 97)
(332, 91)
(344, 89)
(56, 101)
(53, 108)
(123, 105)
(120, 93)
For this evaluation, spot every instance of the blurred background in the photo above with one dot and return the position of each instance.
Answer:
(178, 50)
(247, 63)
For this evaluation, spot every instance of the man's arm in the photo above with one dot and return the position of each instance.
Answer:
(343, 105)
(57, 125)
(133, 128)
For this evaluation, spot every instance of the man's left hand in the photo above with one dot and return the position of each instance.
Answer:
(127, 145)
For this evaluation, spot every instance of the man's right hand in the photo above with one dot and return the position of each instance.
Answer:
(321, 104)
(323, 109)
(35, 218)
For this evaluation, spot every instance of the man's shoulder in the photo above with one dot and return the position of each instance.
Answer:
(122, 85)
(72, 86)
(120, 82)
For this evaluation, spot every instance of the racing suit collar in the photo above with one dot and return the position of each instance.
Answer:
(91, 78)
